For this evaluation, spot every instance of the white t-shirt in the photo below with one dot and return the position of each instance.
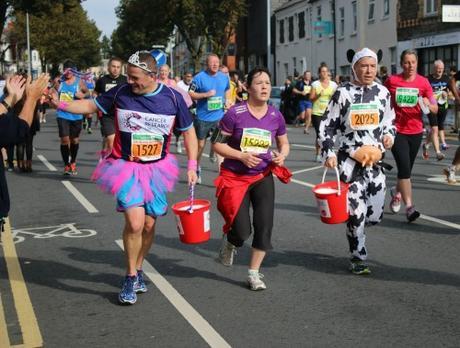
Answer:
(181, 84)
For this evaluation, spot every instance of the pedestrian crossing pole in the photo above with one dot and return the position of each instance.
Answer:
(269, 37)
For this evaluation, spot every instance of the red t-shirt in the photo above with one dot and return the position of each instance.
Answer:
(404, 98)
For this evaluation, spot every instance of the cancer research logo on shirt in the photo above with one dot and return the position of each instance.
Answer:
(127, 121)
(142, 122)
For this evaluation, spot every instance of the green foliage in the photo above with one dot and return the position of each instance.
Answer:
(63, 32)
(143, 23)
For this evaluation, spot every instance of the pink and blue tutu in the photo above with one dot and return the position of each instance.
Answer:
(137, 184)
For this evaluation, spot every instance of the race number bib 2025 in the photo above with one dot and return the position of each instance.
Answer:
(306, 89)
(256, 140)
(215, 103)
(364, 116)
(146, 147)
(406, 97)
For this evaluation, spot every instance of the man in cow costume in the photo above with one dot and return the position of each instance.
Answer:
(362, 112)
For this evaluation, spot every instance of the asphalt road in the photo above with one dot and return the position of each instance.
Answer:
(73, 267)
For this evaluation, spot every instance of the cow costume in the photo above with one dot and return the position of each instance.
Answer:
(363, 115)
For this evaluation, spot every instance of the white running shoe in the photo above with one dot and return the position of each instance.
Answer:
(226, 252)
(198, 174)
(255, 281)
(450, 175)
(318, 159)
(395, 204)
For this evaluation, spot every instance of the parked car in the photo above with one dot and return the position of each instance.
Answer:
(275, 96)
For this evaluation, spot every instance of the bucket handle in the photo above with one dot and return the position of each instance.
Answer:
(191, 197)
(338, 179)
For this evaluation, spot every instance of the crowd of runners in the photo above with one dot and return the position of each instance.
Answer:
(141, 114)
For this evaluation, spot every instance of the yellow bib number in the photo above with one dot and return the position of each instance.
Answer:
(256, 140)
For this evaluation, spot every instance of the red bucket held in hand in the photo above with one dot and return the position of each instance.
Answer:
(332, 200)
(193, 219)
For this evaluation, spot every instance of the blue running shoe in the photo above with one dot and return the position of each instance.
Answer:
(139, 283)
(127, 294)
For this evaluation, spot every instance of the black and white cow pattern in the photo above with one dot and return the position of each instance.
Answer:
(367, 188)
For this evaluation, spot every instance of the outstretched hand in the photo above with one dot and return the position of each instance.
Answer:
(35, 89)
(15, 86)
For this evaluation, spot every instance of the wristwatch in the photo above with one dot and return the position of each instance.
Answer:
(6, 105)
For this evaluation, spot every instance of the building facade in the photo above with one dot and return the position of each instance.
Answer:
(420, 27)
(309, 32)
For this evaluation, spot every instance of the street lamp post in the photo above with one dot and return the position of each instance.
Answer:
(269, 40)
(28, 44)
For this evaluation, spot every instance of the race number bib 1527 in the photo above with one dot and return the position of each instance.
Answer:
(406, 97)
(146, 147)
(364, 116)
(215, 103)
(256, 140)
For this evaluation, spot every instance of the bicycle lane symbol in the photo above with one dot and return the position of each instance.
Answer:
(68, 230)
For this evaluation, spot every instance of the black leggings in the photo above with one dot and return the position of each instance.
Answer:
(405, 151)
(262, 197)
(27, 145)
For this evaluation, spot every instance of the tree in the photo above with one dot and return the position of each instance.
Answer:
(140, 27)
(62, 33)
(106, 48)
(198, 21)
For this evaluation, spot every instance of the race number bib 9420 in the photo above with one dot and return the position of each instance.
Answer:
(364, 116)
(256, 140)
(146, 147)
(406, 97)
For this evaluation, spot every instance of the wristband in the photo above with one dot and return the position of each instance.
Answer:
(192, 165)
(62, 105)
(6, 105)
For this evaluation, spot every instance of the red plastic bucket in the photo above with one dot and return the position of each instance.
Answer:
(193, 225)
(332, 200)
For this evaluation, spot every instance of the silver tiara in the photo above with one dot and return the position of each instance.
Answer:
(134, 60)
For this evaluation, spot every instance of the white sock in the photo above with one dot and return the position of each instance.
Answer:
(253, 271)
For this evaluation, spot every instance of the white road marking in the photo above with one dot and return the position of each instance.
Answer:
(442, 179)
(305, 146)
(306, 170)
(422, 216)
(46, 163)
(204, 329)
(83, 201)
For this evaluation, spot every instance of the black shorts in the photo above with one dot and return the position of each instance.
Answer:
(69, 128)
(107, 125)
(439, 119)
(43, 107)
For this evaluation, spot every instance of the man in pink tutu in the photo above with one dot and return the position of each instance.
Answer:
(140, 170)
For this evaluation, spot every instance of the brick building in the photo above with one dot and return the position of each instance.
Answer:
(420, 27)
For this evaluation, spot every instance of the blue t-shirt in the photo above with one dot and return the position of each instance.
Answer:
(144, 123)
(212, 108)
(66, 94)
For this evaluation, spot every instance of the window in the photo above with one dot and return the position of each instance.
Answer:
(282, 31)
(341, 21)
(318, 17)
(386, 8)
(355, 17)
(370, 16)
(393, 60)
(294, 65)
(291, 28)
(301, 17)
(431, 7)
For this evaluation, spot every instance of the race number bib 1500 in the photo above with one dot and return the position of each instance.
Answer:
(256, 140)
(364, 116)
(146, 147)
(406, 97)
(215, 103)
